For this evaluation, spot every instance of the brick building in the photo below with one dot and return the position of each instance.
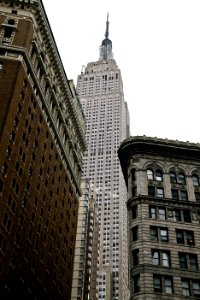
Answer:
(41, 144)
(163, 182)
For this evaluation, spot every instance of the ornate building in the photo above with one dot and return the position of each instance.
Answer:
(163, 182)
(100, 89)
(41, 144)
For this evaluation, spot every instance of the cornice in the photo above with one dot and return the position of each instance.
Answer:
(144, 145)
(36, 7)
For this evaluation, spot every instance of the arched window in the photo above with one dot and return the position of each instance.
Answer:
(173, 178)
(181, 178)
(149, 174)
(195, 180)
(159, 176)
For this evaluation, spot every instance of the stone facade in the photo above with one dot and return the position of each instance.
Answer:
(163, 185)
(42, 141)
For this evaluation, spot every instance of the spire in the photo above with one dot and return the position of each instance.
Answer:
(107, 27)
(106, 45)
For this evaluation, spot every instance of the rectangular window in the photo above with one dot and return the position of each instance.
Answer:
(197, 197)
(185, 237)
(174, 194)
(136, 281)
(188, 261)
(163, 284)
(158, 234)
(161, 258)
(160, 192)
(183, 195)
(186, 216)
(177, 215)
(134, 210)
(135, 233)
(164, 235)
(135, 257)
(157, 213)
(151, 191)
(154, 233)
(190, 287)
(134, 191)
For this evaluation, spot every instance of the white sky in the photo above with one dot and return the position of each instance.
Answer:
(156, 44)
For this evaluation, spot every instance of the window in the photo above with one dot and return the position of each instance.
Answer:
(179, 194)
(149, 174)
(134, 191)
(163, 284)
(136, 281)
(197, 196)
(159, 175)
(159, 234)
(161, 258)
(160, 192)
(173, 178)
(135, 233)
(155, 191)
(183, 195)
(182, 215)
(181, 178)
(188, 261)
(177, 215)
(185, 237)
(133, 174)
(195, 180)
(174, 194)
(157, 212)
(190, 287)
(134, 210)
(135, 254)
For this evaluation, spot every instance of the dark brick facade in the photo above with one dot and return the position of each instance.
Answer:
(38, 197)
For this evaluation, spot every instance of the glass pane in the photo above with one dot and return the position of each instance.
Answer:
(185, 288)
(165, 259)
(184, 195)
(162, 214)
(153, 213)
(196, 288)
(154, 234)
(163, 235)
(172, 177)
(179, 237)
(158, 175)
(160, 192)
(181, 178)
(150, 174)
(155, 258)
(168, 286)
(195, 180)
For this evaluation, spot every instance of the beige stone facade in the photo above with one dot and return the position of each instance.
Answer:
(163, 184)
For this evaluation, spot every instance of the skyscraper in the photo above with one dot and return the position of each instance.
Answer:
(41, 146)
(100, 89)
(163, 181)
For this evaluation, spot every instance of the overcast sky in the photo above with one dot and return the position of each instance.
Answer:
(156, 44)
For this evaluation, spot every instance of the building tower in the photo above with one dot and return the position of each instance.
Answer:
(163, 181)
(41, 147)
(100, 89)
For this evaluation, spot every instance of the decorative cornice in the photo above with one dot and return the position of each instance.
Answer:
(144, 145)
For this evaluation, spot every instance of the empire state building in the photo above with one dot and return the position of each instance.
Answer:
(100, 89)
